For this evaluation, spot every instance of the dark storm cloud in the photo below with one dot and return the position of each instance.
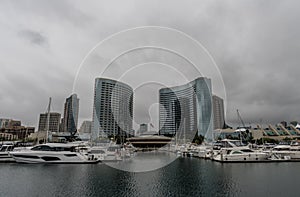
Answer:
(255, 43)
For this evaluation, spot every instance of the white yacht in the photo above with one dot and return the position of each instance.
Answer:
(286, 151)
(228, 150)
(4, 153)
(240, 154)
(111, 153)
(53, 153)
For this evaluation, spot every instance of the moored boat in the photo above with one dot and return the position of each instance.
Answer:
(4, 153)
(286, 151)
(111, 153)
(53, 153)
(240, 154)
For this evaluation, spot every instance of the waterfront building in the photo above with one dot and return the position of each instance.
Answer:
(143, 128)
(54, 122)
(113, 109)
(16, 133)
(147, 142)
(86, 127)
(13, 130)
(70, 120)
(186, 109)
(218, 112)
(9, 123)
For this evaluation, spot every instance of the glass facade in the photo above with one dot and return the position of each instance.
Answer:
(70, 121)
(218, 111)
(186, 110)
(113, 108)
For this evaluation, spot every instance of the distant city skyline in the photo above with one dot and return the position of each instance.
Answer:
(255, 44)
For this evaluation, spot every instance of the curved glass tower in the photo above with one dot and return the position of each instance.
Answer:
(70, 120)
(186, 109)
(113, 109)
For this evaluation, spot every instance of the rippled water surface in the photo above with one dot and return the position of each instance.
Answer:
(183, 177)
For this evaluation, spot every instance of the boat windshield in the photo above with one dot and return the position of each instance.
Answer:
(247, 150)
(97, 151)
(236, 152)
(48, 148)
(282, 148)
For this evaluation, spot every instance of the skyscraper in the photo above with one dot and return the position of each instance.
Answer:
(70, 119)
(186, 109)
(218, 111)
(54, 121)
(113, 108)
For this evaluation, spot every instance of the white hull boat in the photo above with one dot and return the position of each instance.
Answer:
(286, 151)
(106, 154)
(240, 155)
(4, 153)
(53, 153)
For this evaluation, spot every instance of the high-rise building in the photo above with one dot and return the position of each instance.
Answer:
(113, 108)
(218, 111)
(186, 109)
(86, 127)
(143, 128)
(54, 121)
(70, 120)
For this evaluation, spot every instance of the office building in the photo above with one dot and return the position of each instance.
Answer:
(54, 122)
(186, 110)
(70, 120)
(218, 111)
(113, 109)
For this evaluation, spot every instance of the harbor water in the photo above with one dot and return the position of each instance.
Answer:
(182, 177)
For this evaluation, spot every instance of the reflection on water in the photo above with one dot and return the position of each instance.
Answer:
(145, 161)
(183, 177)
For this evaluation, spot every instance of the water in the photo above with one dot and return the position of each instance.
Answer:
(183, 177)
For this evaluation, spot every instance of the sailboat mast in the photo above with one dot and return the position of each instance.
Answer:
(48, 120)
(184, 131)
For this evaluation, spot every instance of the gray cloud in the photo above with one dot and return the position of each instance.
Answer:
(255, 44)
(34, 37)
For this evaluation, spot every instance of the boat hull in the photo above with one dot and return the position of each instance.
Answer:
(253, 157)
(5, 157)
(51, 157)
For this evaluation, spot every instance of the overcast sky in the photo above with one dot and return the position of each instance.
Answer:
(255, 44)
